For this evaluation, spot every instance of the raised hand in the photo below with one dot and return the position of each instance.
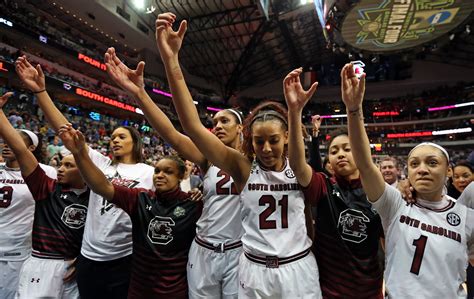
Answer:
(128, 79)
(72, 139)
(352, 89)
(169, 41)
(32, 77)
(296, 97)
(316, 121)
(4, 99)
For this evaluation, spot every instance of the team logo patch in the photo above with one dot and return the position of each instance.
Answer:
(74, 216)
(160, 230)
(352, 224)
(289, 173)
(179, 212)
(453, 219)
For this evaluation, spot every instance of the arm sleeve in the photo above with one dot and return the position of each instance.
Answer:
(388, 204)
(316, 189)
(40, 184)
(126, 198)
(98, 159)
(470, 232)
(315, 155)
(467, 196)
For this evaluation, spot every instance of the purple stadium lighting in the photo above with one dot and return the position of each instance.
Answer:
(166, 94)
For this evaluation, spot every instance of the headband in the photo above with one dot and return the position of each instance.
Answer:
(263, 115)
(434, 145)
(32, 136)
(237, 114)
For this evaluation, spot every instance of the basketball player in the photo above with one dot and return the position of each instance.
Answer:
(103, 268)
(277, 260)
(217, 246)
(164, 222)
(60, 215)
(17, 208)
(427, 243)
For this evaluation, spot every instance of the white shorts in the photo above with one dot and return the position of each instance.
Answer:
(213, 274)
(43, 278)
(9, 277)
(298, 279)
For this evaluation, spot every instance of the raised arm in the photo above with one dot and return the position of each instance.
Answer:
(313, 147)
(353, 90)
(296, 98)
(23, 155)
(75, 142)
(169, 43)
(132, 82)
(34, 80)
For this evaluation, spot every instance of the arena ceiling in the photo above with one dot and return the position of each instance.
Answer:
(231, 43)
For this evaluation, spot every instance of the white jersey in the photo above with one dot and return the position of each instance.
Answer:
(273, 213)
(426, 247)
(108, 229)
(17, 209)
(467, 196)
(220, 221)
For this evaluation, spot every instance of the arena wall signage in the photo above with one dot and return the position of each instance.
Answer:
(106, 100)
(391, 25)
(91, 61)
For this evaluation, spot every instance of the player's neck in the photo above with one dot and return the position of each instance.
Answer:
(434, 196)
(12, 164)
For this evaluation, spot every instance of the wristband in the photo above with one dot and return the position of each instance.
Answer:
(36, 92)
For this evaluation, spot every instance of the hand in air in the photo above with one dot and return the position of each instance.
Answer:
(72, 139)
(296, 97)
(352, 88)
(316, 121)
(169, 41)
(4, 99)
(32, 77)
(128, 79)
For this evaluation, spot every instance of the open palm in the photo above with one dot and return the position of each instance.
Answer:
(169, 41)
(296, 97)
(128, 79)
(32, 77)
(352, 89)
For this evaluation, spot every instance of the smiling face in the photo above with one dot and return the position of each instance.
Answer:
(167, 175)
(389, 171)
(121, 143)
(269, 139)
(340, 158)
(69, 174)
(462, 176)
(226, 127)
(427, 171)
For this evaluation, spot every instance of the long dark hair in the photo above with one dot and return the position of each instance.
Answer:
(258, 114)
(137, 151)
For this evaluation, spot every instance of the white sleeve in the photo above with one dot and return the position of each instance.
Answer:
(467, 196)
(98, 159)
(50, 171)
(388, 204)
(470, 232)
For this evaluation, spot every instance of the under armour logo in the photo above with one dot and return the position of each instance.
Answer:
(242, 285)
(63, 196)
(191, 266)
(33, 280)
(148, 207)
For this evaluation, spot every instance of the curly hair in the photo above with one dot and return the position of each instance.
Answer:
(265, 111)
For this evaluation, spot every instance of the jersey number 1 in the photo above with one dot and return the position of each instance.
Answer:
(420, 245)
(271, 202)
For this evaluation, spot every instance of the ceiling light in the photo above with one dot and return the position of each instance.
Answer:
(139, 4)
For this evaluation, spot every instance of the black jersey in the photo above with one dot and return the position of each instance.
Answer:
(60, 215)
(163, 228)
(347, 243)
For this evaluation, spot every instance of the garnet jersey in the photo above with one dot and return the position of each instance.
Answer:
(346, 245)
(108, 230)
(273, 211)
(164, 226)
(17, 208)
(220, 221)
(426, 246)
(60, 215)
